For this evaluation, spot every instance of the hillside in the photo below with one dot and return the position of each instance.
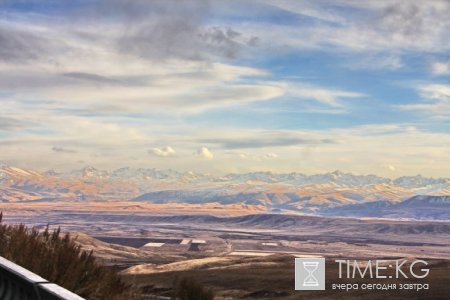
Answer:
(417, 207)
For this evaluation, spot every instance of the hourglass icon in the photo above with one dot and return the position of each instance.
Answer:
(310, 267)
(310, 274)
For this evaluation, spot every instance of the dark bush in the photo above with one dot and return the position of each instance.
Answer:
(189, 289)
(60, 260)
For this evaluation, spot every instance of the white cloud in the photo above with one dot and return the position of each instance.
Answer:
(243, 155)
(377, 62)
(101, 75)
(391, 168)
(199, 87)
(383, 30)
(253, 156)
(436, 101)
(204, 152)
(163, 152)
(270, 155)
(439, 92)
(330, 97)
(440, 68)
(306, 8)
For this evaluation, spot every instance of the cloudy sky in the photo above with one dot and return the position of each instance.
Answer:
(227, 86)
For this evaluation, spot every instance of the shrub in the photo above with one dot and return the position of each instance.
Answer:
(189, 289)
(60, 260)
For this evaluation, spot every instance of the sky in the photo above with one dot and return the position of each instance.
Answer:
(227, 86)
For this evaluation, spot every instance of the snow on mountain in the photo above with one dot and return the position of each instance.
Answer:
(89, 172)
(335, 179)
(420, 181)
(334, 192)
(9, 172)
(51, 173)
(128, 173)
(255, 176)
(347, 179)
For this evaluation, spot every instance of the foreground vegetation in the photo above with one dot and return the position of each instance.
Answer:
(60, 260)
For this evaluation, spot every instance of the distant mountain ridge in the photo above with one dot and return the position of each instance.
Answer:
(416, 207)
(333, 193)
(337, 177)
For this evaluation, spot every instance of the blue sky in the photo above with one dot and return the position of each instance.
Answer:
(227, 86)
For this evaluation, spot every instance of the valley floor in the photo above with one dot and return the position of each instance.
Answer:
(238, 253)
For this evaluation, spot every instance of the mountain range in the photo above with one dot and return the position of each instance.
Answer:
(335, 193)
